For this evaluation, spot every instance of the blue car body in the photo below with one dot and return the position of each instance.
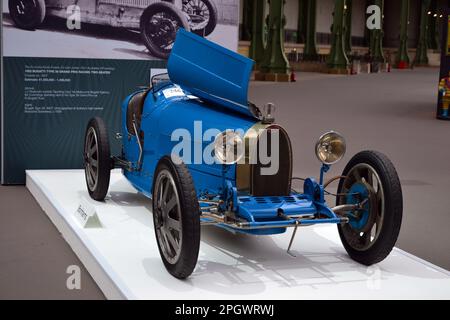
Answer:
(215, 94)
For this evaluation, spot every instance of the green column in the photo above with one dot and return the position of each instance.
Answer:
(430, 35)
(437, 33)
(376, 37)
(366, 30)
(433, 41)
(310, 51)
(274, 60)
(337, 61)
(422, 46)
(246, 31)
(257, 43)
(301, 21)
(402, 59)
(348, 26)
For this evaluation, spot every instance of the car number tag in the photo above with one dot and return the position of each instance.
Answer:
(173, 92)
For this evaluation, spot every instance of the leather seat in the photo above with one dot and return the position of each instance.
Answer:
(136, 107)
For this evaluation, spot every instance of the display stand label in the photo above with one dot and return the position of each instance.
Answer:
(87, 215)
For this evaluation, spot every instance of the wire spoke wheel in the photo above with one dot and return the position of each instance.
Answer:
(162, 29)
(159, 24)
(168, 213)
(198, 12)
(202, 16)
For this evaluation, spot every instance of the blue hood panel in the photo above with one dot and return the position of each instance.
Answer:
(210, 71)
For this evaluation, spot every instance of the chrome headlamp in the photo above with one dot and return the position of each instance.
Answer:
(330, 148)
(228, 147)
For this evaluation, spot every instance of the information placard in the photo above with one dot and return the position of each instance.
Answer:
(65, 61)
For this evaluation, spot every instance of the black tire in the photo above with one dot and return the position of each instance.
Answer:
(170, 20)
(212, 21)
(181, 261)
(386, 219)
(27, 14)
(97, 161)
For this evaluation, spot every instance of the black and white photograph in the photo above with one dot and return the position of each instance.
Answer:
(113, 29)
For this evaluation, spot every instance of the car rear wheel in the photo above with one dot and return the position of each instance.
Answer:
(27, 14)
(372, 230)
(176, 218)
(159, 25)
(97, 161)
(203, 16)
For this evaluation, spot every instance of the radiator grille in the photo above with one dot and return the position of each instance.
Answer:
(278, 184)
(129, 3)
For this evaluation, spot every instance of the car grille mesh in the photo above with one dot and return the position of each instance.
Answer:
(278, 184)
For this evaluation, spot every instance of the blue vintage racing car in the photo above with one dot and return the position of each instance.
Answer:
(205, 155)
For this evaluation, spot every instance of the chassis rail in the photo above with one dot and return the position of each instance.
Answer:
(211, 218)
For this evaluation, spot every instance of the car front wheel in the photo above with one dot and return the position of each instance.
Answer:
(176, 218)
(97, 161)
(370, 179)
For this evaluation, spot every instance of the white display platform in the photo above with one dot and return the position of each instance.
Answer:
(123, 257)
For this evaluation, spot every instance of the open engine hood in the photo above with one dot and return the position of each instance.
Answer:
(211, 72)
